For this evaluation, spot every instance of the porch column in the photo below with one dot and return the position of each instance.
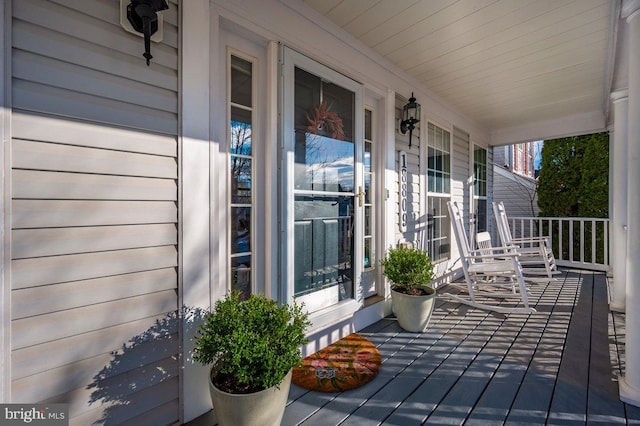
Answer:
(630, 384)
(619, 191)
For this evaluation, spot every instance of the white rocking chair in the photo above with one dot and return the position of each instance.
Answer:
(488, 272)
(536, 255)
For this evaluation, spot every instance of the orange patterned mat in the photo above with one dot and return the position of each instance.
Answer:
(347, 364)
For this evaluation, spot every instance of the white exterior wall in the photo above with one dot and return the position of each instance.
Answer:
(93, 214)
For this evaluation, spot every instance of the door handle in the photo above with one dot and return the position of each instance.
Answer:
(361, 195)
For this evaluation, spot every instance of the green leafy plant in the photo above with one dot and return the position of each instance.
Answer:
(408, 269)
(252, 344)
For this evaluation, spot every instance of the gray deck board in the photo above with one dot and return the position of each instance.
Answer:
(557, 366)
(569, 402)
(604, 406)
(531, 404)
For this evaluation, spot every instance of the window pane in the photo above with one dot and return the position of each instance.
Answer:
(480, 171)
(368, 221)
(240, 131)
(367, 157)
(369, 260)
(323, 243)
(367, 188)
(324, 147)
(438, 225)
(439, 160)
(241, 81)
(240, 180)
(241, 274)
(482, 215)
(431, 163)
(446, 163)
(240, 230)
(367, 124)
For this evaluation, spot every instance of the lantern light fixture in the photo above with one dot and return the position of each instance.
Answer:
(143, 17)
(410, 117)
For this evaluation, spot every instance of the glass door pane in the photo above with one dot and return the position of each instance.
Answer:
(322, 171)
(324, 191)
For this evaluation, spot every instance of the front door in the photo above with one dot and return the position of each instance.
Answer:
(322, 185)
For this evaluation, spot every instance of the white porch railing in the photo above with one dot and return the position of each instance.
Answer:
(576, 241)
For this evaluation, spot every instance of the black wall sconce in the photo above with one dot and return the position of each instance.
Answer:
(410, 116)
(143, 17)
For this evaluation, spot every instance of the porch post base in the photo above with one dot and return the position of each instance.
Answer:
(628, 393)
(617, 307)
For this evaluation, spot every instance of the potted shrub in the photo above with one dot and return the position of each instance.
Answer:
(252, 345)
(410, 271)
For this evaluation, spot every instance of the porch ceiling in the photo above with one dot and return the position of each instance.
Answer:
(505, 63)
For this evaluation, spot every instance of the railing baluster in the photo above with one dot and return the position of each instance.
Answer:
(606, 242)
(576, 238)
(550, 223)
(594, 252)
(581, 242)
(571, 258)
(560, 248)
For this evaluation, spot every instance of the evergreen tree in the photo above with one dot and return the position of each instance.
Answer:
(594, 186)
(573, 179)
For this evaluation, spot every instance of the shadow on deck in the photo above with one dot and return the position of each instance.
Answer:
(556, 366)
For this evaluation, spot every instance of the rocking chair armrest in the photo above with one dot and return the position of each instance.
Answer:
(500, 254)
(530, 240)
(505, 248)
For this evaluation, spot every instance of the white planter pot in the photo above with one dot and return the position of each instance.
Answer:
(264, 408)
(413, 312)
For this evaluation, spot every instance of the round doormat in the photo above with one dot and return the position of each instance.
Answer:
(350, 362)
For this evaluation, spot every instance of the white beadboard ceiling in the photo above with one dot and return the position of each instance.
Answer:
(504, 63)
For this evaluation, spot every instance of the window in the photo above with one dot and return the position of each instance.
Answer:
(480, 187)
(439, 192)
(369, 191)
(241, 112)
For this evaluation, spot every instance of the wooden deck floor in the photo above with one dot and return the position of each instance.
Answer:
(556, 366)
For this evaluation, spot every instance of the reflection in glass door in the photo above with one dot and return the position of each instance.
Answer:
(325, 170)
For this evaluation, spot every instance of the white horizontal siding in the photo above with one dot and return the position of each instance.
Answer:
(61, 241)
(48, 71)
(151, 372)
(61, 213)
(68, 62)
(29, 361)
(58, 325)
(94, 214)
(161, 399)
(39, 271)
(41, 98)
(518, 193)
(37, 127)
(35, 184)
(28, 390)
(54, 157)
